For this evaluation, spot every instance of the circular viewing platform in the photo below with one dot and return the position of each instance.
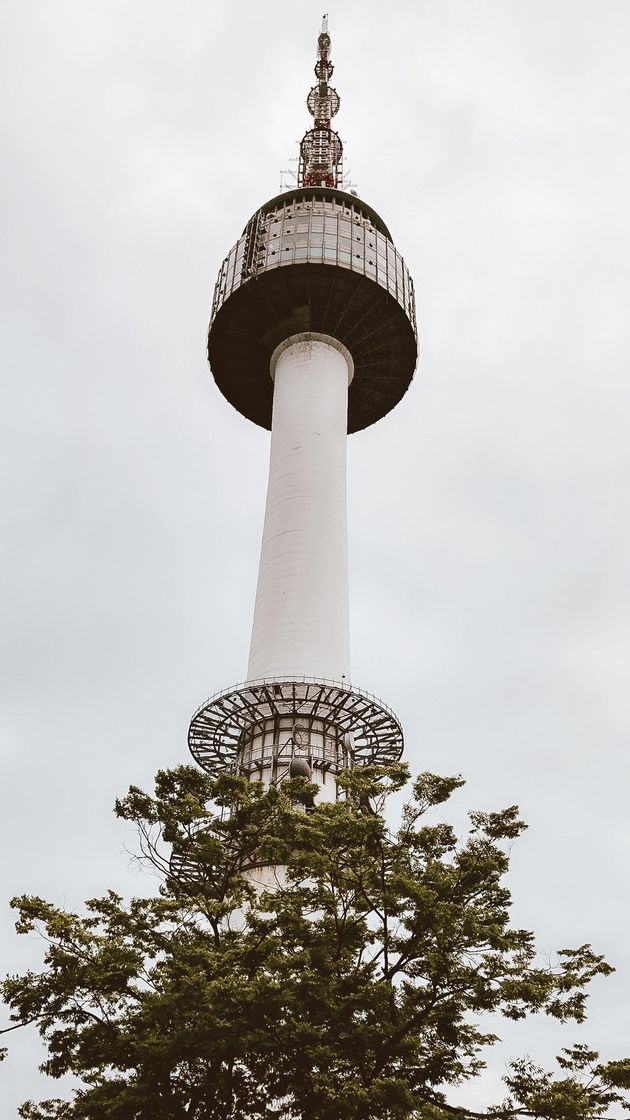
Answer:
(314, 260)
(259, 726)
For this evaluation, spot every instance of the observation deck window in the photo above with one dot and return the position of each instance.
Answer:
(316, 229)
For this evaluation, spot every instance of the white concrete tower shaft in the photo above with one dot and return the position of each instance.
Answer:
(301, 616)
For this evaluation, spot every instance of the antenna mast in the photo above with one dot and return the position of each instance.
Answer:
(321, 150)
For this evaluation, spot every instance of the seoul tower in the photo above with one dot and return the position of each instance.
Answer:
(313, 336)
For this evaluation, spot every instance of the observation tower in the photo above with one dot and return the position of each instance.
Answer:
(313, 336)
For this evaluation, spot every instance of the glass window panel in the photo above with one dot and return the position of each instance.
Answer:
(330, 254)
(317, 223)
(344, 256)
(301, 252)
(301, 239)
(330, 240)
(315, 251)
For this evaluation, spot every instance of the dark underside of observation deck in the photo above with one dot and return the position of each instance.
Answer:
(323, 298)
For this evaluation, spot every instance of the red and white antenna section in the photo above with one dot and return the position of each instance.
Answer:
(321, 150)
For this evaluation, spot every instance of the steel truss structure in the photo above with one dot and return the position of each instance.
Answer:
(354, 728)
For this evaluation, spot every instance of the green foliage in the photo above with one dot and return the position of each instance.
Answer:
(356, 988)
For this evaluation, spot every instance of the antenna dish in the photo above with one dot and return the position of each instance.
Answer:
(299, 767)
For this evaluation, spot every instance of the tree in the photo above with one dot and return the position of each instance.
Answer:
(355, 989)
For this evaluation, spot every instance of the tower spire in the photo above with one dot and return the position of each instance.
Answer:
(321, 150)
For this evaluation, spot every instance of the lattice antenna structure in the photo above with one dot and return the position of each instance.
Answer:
(313, 336)
(321, 150)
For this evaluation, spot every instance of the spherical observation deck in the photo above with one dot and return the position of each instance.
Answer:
(314, 260)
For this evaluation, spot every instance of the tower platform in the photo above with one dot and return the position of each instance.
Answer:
(319, 260)
(258, 727)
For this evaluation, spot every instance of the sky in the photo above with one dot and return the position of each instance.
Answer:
(488, 513)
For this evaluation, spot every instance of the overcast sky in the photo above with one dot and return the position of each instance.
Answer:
(489, 537)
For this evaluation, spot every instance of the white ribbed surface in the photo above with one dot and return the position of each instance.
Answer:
(301, 614)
